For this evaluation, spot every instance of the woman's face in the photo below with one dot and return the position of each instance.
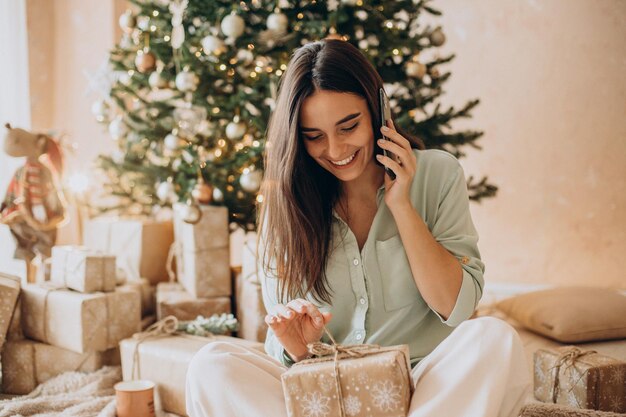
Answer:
(336, 129)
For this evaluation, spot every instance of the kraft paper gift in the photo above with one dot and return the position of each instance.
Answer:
(584, 379)
(82, 269)
(76, 321)
(173, 300)
(164, 359)
(9, 292)
(140, 245)
(370, 381)
(147, 293)
(250, 308)
(26, 364)
(202, 252)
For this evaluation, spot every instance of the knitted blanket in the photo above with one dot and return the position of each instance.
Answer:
(70, 394)
(555, 410)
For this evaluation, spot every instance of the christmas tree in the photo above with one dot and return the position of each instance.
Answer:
(194, 82)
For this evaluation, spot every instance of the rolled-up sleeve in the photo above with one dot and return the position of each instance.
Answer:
(454, 230)
(269, 289)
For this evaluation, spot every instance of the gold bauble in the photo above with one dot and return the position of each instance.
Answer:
(145, 61)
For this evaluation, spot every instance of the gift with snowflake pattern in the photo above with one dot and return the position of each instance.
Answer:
(76, 321)
(9, 291)
(584, 379)
(370, 381)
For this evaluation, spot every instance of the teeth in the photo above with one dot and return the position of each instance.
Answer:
(345, 161)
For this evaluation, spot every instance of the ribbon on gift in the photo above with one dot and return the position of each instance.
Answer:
(332, 352)
(571, 355)
(168, 326)
(71, 270)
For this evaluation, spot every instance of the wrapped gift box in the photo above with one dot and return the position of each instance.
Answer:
(82, 269)
(202, 252)
(173, 300)
(9, 291)
(164, 360)
(250, 308)
(377, 383)
(586, 379)
(26, 364)
(147, 293)
(76, 321)
(140, 245)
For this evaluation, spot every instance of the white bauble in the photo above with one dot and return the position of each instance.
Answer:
(127, 21)
(166, 192)
(143, 23)
(213, 45)
(277, 22)
(100, 109)
(233, 26)
(251, 181)
(157, 80)
(125, 78)
(245, 56)
(218, 195)
(117, 128)
(235, 130)
(349, 2)
(173, 142)
(187, 81)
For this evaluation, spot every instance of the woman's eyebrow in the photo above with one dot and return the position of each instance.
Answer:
(345, 119)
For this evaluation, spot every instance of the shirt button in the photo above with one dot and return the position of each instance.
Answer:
(359, 336)
(355, 261)
(465, 260)
(362, 300)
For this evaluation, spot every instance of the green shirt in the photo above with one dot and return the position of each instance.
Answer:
(374, 296)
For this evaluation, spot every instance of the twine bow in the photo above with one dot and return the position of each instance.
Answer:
(334, 349)
(166, 327)
(570, 355)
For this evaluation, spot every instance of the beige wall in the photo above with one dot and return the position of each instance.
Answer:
(550, 77)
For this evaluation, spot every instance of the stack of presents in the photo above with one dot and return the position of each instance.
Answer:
(128, 274)
(94, 309)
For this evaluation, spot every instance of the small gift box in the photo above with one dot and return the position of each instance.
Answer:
(26, 364)
(147, 293)
(173, 300)
(82, 269)
(161, 354)
(578, 378)
(76, 321)
(250, 308)
(202, 252)
(361, 380)
(9, 291)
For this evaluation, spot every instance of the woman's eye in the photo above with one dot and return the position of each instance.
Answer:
(351, 127)
(309, 138)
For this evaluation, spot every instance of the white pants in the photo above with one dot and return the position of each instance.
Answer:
(478, 370)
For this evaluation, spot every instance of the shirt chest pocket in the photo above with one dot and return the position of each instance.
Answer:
(399, 289)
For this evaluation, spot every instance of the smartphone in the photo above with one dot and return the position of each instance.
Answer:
(385, 115)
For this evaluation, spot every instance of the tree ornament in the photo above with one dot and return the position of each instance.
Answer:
(127, 21)
(349, 2)
(191, 212)
(166, 192)
(213, 45)
(145, 61)
(174, 142)
(117, 128)
(218, 195)
(277, 22)
(189, 119)
(235, 129)
(437, 37)
(202, 192)
(157, 80)
(177, 8)
(415, 69)
(251, 180)
(233, 26)
(187, 80)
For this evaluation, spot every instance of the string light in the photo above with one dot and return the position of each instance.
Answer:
(259, 198)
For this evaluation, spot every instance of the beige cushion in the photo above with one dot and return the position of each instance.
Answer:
(570, 314)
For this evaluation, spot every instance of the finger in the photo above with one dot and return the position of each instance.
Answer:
(393, 135)
(397, 150)
(392, 165)
(297, 305)
(284, 312)
(306, 307)
(327, 316)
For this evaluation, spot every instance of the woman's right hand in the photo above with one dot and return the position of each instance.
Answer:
(297, 324)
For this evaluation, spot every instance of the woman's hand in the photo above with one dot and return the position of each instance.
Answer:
(297, 324)
(397, 191)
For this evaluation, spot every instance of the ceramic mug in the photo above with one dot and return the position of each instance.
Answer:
(134, 398)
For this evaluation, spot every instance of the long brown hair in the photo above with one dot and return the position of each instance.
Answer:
(295, 218)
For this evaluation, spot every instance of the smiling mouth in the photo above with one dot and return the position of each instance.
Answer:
(346, 161)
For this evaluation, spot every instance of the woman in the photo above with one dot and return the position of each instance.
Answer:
(370, 259)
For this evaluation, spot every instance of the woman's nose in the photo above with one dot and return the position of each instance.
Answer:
(335, 148)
